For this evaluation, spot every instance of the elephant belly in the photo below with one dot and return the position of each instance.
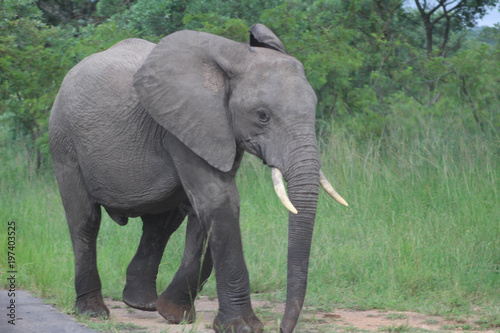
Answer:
(121, 212)
(134, 186)
(123, 162)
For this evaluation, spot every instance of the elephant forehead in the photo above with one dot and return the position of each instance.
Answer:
(279, 64)
(282, 77)
(288, 91)
(286, 88)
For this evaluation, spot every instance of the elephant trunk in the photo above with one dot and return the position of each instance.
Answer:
(303, 183)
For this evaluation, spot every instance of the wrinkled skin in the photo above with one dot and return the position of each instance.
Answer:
(158, 131)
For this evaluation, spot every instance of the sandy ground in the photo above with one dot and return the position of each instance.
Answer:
(34, 316)
(311, 320)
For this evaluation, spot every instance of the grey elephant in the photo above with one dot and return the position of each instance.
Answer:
(158, 131)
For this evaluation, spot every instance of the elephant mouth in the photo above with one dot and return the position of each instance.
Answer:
(277, 176)
(279, 188)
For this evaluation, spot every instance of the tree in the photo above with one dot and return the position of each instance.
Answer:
(33, 60)
(152, 18)
(75, 12)
(246, 10)
(454, 13)
(108, 8)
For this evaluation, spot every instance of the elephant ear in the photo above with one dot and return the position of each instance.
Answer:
(262, 36)
(183, 85)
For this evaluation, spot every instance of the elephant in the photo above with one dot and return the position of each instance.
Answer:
(158, 132)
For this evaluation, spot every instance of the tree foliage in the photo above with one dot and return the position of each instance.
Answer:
(34, 57)
(369, 61)
(32, 63)
(59, 12)
(455, 14)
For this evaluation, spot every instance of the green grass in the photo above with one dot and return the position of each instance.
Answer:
(423, 226)
(421, 232)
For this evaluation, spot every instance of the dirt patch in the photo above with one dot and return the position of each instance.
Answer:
(311, 320)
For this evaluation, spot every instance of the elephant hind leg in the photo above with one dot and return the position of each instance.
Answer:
(176, 304)
(140, 288)
(84, 219)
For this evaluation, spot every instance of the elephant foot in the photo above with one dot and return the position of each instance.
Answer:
(175, 313)
(139, 299)
(248, 324)
(92, 306)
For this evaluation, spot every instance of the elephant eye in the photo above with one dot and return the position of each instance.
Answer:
(263, 117)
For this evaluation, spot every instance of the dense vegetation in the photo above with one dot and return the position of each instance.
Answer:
(408, 127)
(369, 61)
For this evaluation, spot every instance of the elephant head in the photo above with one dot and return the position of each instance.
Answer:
(253, 97)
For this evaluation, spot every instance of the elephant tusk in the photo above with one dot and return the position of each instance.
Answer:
(279, 187)
(325, 184)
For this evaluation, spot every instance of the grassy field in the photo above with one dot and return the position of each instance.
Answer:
(421, 233)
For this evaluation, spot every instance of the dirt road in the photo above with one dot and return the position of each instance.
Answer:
(33, 315)
(311, 320)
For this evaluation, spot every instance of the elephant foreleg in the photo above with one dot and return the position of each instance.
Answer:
(176, 304)
(140, 288)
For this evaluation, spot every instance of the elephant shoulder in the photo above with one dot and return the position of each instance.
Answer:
(100, 85)
(109, 70)
(125, 55)
(132, 42)
(132, 46)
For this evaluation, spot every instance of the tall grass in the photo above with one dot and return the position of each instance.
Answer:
(422, 230)
(423, 227)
